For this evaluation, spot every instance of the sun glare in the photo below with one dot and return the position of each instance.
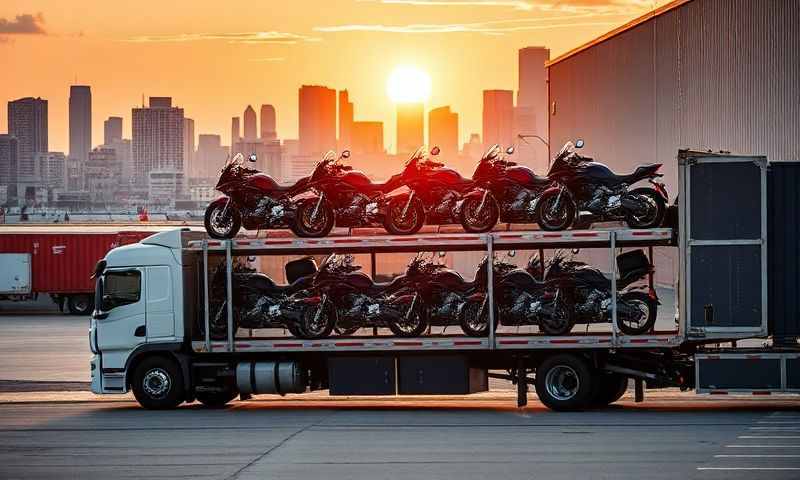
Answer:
(408, 84)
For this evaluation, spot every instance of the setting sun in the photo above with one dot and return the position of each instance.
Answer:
(409, 84)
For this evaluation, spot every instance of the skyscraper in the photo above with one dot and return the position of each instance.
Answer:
(188, 146)
(9, 150)
(210, 156)
(235, 135)
(367, 138)
(157, 142)
(410, 127)
(80, 122)
(346, 121)
(317, 122)
(250, 125)
(27, 120)
(531, 112)
(498, 117)
(268, 123)
(443, 130)
(112, 130)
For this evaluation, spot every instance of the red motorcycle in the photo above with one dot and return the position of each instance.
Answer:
(445, 194)
(349, 198)
(505, 186)
(257, 201)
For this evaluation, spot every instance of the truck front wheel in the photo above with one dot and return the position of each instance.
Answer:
(79, 304)
(158, 383)
(564, 383)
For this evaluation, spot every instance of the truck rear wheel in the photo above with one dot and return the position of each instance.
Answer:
(79, 304)
(564, 383)
(216, 399)
(608, 388)
(158, 383)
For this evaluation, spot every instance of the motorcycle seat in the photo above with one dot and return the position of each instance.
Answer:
(263, 283)
(641, 172)
(387, 287)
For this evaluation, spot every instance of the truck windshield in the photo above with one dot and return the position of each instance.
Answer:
(120, 288)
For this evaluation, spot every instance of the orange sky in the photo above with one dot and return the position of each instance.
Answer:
(212, 61)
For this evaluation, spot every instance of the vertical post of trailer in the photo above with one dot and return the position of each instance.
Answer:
(651, 276)
(612, 237)
(372, 270)
(229, 291)
(206, 315)
(490, 287)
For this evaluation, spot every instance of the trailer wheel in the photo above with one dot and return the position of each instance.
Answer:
(564, 383)
(158, 383)
(216, 399)
(79, 304)
(608, 388)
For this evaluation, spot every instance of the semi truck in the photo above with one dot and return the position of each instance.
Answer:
(735, 324)
(54, 260)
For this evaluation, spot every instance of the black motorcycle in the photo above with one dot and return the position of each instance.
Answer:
(519, 298)
(258, 302)
(581, 184)
(587, 292)
(345, 298)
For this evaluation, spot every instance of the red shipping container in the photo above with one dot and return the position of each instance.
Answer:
(64, 262)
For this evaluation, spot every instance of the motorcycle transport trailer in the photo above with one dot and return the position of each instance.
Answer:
(155, 338)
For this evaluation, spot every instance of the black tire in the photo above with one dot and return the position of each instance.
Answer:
(416, 328)
(80, 304)
(476, 323)
(649, 308)
(608, 388)
(313, 327)
(158, 383)
(559, 323)
(218, 399)
(473, 222)
(294, 330)
(564, 383)
(232, 219)
(555, 220)
(346, 331)
(410, 224)
(303, 226)
(654, 218)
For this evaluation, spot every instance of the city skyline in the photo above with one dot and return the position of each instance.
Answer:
(348, 44)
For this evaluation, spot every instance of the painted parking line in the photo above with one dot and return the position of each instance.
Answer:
(763, 446)
(749, 468)
(768, 436)
(753, 455)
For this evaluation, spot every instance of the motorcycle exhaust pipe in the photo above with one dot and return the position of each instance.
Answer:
(631, 203)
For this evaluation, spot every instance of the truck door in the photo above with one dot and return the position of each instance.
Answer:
(160, 313)
(120, 322)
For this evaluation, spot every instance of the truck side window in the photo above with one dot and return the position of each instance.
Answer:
(121, 288)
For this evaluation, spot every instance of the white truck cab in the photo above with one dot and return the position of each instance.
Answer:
(138, 308)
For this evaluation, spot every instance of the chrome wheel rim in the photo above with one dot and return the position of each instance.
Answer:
(314, 226)
(562, 382)
(313, 325)
(403, 223)
(475, 220)
(156, 383)
(222, 224)
(639, 314)
(554, 218)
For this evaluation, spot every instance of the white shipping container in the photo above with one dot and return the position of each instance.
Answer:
(15, 273)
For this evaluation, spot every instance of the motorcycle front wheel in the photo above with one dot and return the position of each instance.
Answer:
(398, 223)
(552, 217)
(308, 223)
(222, 220)
(557, 322)
(479, 219)
(318, 321)
(475, 322)
(409, 327)
(652, 215)
(638, 313)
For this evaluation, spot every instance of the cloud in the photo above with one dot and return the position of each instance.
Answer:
(496, 27)
(25, 23)
(268, 59)
(565, 6)
(253, 38)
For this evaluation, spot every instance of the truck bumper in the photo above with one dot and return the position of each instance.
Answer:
(94, 367)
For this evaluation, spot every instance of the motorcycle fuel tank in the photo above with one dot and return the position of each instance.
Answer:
(598, 173)
(447, 176)
(525, 176)
(449, 279)
(263, 182)
(356, 179)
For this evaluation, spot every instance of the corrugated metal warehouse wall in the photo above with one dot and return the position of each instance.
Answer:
(707, 74)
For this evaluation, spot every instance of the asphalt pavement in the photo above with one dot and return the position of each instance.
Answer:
(51, 427)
